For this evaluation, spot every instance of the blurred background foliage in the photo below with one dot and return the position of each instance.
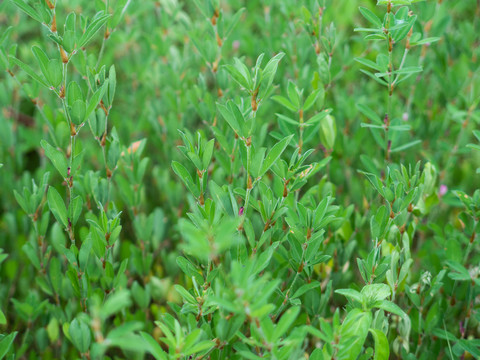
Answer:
(164, 52)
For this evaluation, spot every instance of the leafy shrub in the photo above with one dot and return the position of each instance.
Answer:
(239, 180)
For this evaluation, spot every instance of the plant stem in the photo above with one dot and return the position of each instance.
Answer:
(297, 275)
(390, 82)
(105, 37)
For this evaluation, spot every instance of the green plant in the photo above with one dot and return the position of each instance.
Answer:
(220, 180)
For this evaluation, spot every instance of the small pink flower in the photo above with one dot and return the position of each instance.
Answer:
(240, 211)
(236, 45)
(443, 190)
(405, 116)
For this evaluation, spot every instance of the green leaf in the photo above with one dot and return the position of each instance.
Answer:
(240, 74)
(401, 33)
(257, 161)
(185, 294)
(351, 294)
(207, 154)
(376, 292)
(27, 9)
(371, 17)
(199, 347)
(459, 271)
(30, 72)
(293, 94)
(3, 319)
(428, 40)
(289, 120)
(95, 99)
(183, 173)
(284, 102)
(394, 309)
(328, 131)
(473, 146)
(246, 354)
(55, 274)
(382, 349)
(285, 322)
(92, 29)
(312, 98)
(305, 288)
(271, 68)
(57, 206)
(444, 334)
(6, 343)
(366, 125)
(233, 22)
(112, 84)
(77, 112)
(54, 75)
(22, 202)
(408, 70)
(42, 60)
(470, 346)
(375, 181)
(188, 268)
(366, 30)
(75, 209)
(154, 347)
(315, 119)
(32, 254)
(274, 154)
(3, 256)
(80, 335)
(406, 146)
(376, 78)
(74, 93)
(370, 114)
(230, 119)
(119, 300)
(69, 39)
(368, 63)
(400, 127)
(56, 157)
(353, 334)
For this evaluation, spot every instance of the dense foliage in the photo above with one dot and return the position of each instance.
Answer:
(214, 179)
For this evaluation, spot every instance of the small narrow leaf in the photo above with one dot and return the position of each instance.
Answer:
(382, 350)
(406, 146)
(30, 72)
(92, 29)
(351, 294)
(56, 157)
(271, 68)
(42, 60)
(368, 63)
(230, 119)
(285, 322)
(154, 347)
(27, 9)
(370, 16)
(369, 113)
(95, 99)
(5, 344)
(57, 206)
(274, 154)
(183, 173)
(3, 319)
(75, 209)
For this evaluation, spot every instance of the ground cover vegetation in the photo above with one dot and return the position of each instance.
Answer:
(257, 179)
